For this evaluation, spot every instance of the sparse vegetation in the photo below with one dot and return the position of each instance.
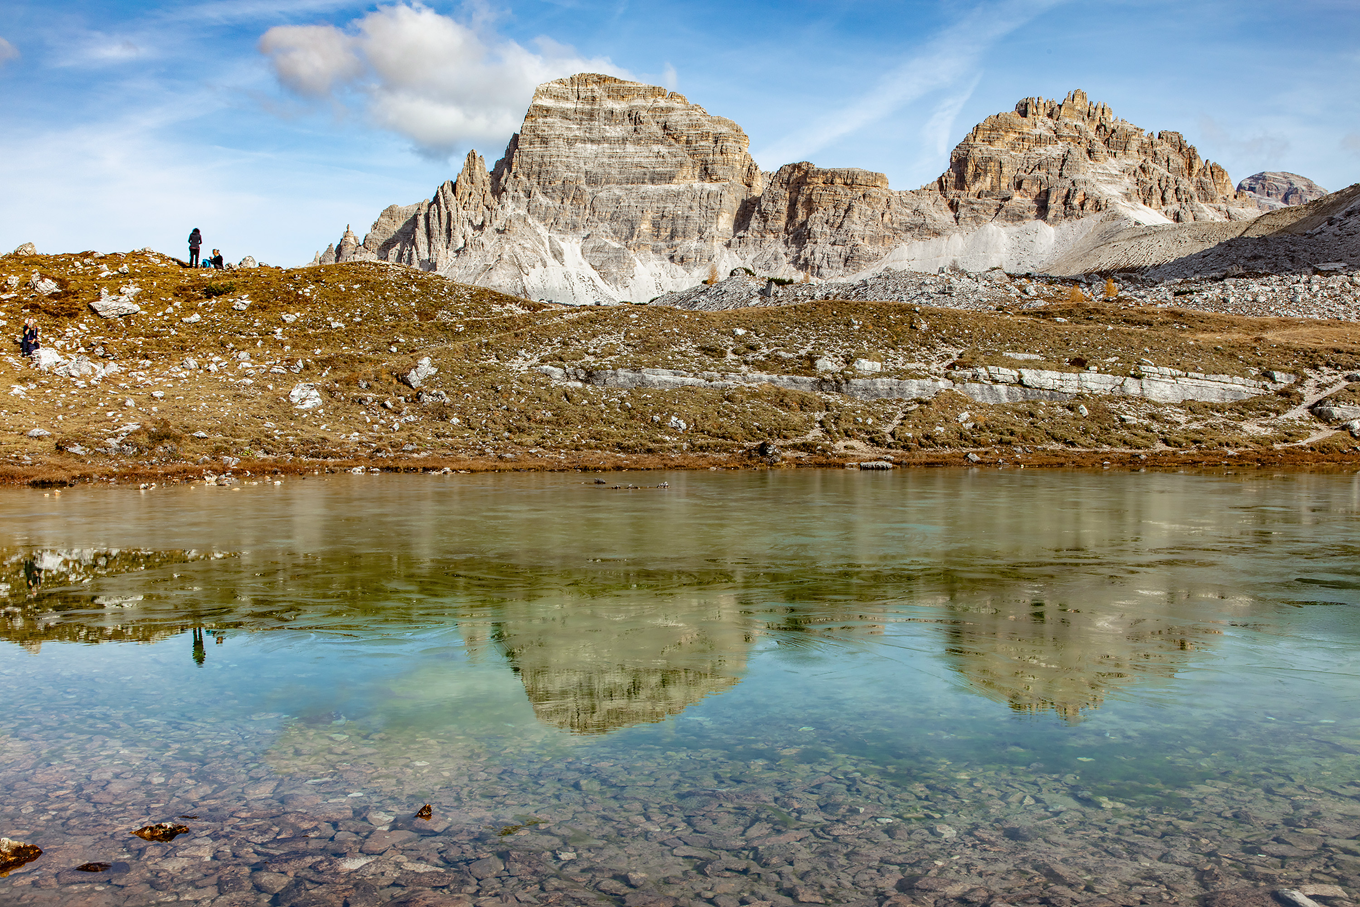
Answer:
(190, 391)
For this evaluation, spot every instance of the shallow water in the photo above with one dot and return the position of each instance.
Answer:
(826, 687)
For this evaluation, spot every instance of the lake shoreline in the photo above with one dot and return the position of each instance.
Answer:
(58, 471)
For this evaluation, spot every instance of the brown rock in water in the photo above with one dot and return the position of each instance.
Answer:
(162, 831)
(14, 854)
(94, 867)
(1273, 189)
(425, 812)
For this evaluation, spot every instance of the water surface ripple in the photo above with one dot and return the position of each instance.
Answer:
(928, 687)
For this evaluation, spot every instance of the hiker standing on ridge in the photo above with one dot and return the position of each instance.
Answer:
(195, 243)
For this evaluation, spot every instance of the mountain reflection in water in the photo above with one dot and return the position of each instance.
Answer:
(1046, 592)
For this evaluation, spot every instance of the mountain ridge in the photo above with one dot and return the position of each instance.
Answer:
(617, 190)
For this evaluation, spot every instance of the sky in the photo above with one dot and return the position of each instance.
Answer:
(273, 125)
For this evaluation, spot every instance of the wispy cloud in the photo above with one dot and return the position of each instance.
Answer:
(441, 83)
(225, 12)
(951, 59)
(7, 52)
(1263, 148)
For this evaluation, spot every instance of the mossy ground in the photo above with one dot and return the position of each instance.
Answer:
(205, 370)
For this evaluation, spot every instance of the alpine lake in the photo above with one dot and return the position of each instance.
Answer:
(982, 687)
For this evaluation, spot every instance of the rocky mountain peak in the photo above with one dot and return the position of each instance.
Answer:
(1060, 160)
(1272, 190)
(619, 190)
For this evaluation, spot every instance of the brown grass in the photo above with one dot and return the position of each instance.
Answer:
(495, 404)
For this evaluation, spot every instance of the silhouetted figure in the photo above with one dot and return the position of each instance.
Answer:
(32, 576)
(195, 243)
(199, 653)
(29, 344)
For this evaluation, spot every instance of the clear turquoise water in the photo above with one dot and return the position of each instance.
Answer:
(1096, 655)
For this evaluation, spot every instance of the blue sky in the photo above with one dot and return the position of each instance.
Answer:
(271, 125)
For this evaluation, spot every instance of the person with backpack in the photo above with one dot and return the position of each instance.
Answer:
(195, 243)
(216, 259)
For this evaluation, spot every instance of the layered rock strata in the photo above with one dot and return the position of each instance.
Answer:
(1272, 190)
(988, 384)
(616, 190)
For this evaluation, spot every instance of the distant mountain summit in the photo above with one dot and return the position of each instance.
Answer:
(617, 190)
(1271, 190)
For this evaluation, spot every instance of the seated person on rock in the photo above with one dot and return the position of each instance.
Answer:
(29, 344)
(215, 260)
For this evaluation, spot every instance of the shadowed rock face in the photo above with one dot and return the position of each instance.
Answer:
(1272, 189)
(617, 190)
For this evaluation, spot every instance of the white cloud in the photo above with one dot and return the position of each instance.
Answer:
(7, 52)
(1351, 142)
(1263, 149)
(423, 75)
(949, 61)
(669, 78)
(311, 59)
(940, 127)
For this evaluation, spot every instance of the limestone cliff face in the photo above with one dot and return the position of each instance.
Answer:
(617, 190)
(1060, 160)
(825, 222)
(1272, 190)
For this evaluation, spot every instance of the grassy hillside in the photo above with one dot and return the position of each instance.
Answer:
(202, 376)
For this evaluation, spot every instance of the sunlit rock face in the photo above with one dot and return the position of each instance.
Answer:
(1062, 160)
(615, 190)
(1272, 190)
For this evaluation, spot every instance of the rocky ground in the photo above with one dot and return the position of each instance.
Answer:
(326, 367)
(329, 817)
(1322, 295)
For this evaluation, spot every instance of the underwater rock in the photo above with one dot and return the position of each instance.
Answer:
(14, 854)
(161, 831)
(94, 867)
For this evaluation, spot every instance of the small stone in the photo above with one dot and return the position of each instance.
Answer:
(43, 286)
(26, 249)
(305, 396)
(485, 868)
(1295, 897)
(248, 262)
(107, 306)
(161, 831)
(1322, 891)
(417, 376)
(94, 867)
(973, 458)
(425, 812)
(39, 433)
